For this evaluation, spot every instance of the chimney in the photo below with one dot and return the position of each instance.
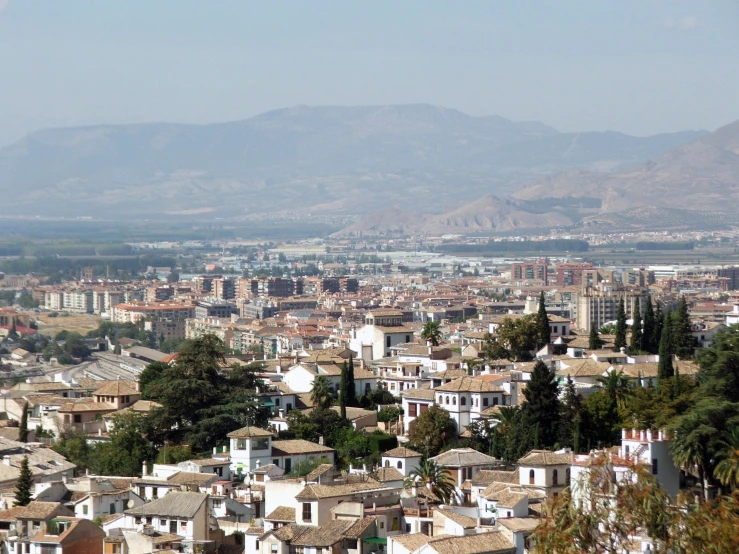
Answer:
(6, 460)
(624, 434)
(137, 385)
(281, 412)
(258, 463)
(414, 489)
(215, 450)
(320, 440)
(144, 469)
(64, 478)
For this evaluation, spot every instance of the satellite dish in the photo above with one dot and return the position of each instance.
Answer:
(130, 503)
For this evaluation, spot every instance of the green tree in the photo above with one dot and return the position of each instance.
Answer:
(24, 484)
(682, 331)
(594, 340)
(432, 476)
(351, 387)
(541, 407)
(431, 333)
(647, 326)
(514, 339)
(719, 365)
(659, 323)
(620, 340)
(432, 430)
(150, 377)
(635, 344)
(727, 469)
(542, 322)
(127, 448)
(570, 414)
(23, 427)
(615, 385)
(72, 444)
(321, 394)
(343, 389)
(664, 368)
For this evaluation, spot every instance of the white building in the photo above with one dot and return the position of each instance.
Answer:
(383, 329)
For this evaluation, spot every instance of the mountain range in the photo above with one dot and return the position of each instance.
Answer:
(481, 172)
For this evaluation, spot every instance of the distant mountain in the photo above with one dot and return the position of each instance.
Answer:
(327, 160)
(698, 179)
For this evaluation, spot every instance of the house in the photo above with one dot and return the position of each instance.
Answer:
(250, 446)
(401, 458)
(466, 397)
(462, 464)
(415, 402)
(93, 497)
(45, 464)
(337, 536)
(494, 542)
(184, 514)
(547, 471)
(383, 329)
(300, 377)
(61, 535)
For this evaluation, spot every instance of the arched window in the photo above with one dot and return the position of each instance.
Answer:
(555, 477)
(387, 463)
(463, 401)
(446, 400)
(400, 464)
(531, 477)
(567, 476)
(454, 400)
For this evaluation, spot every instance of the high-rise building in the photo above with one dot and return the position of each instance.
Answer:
(529, 271)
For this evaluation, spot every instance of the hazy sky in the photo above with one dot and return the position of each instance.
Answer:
(636, 66)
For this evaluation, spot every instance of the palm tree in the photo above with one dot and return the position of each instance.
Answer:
(321, 394)
(431, 333)
(473, 364)
(727, 470)
(691, 447)
(616, 386)
(436, 479)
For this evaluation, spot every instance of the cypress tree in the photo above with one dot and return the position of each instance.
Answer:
(676, 384)
(682, 331)
(664, 369)
(636, 328)
(23, 427)
(24, 484)
(343, 389)
(545, 335)
(540, 409)
(659, 323)
(647, 325)
(351, 391)
(594, 340)
(620, 340)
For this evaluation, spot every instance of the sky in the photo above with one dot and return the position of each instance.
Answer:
(635, 66)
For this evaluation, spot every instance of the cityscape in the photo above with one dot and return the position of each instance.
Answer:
(354, 327)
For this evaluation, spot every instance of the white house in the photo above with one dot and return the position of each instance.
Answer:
(466, 397)
(403, 459)
(383, 329)
(179, 513)
(252, 447)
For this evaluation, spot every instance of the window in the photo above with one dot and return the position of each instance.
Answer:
(400, 464)
(142, 492)
(112, 508)
(296, 549)
(387, 341)
(495, 401)
(84, 509)
(463, 401)
(77, 418)
(454, 400)
(149, 520)
(288, 465)
(276, 462)
(163, 522)
(173, 527)
(240, 444)
(485, 402)
(256, 545)
(183, 526)
(555, 477)
(407, 527)
(387, 463)
(138, 521)
(655, 467)
(260, 444)
(306, 511)
(626, 450)
(395, 525)
(382, 525)
(407, 338)
(531, 477)
(216, 502)
(567, 476)
(412, 410)
(274, 549)
(446, 400)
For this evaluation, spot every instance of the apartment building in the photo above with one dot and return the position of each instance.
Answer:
(529, 271)
(136, 311)
(598, 306)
